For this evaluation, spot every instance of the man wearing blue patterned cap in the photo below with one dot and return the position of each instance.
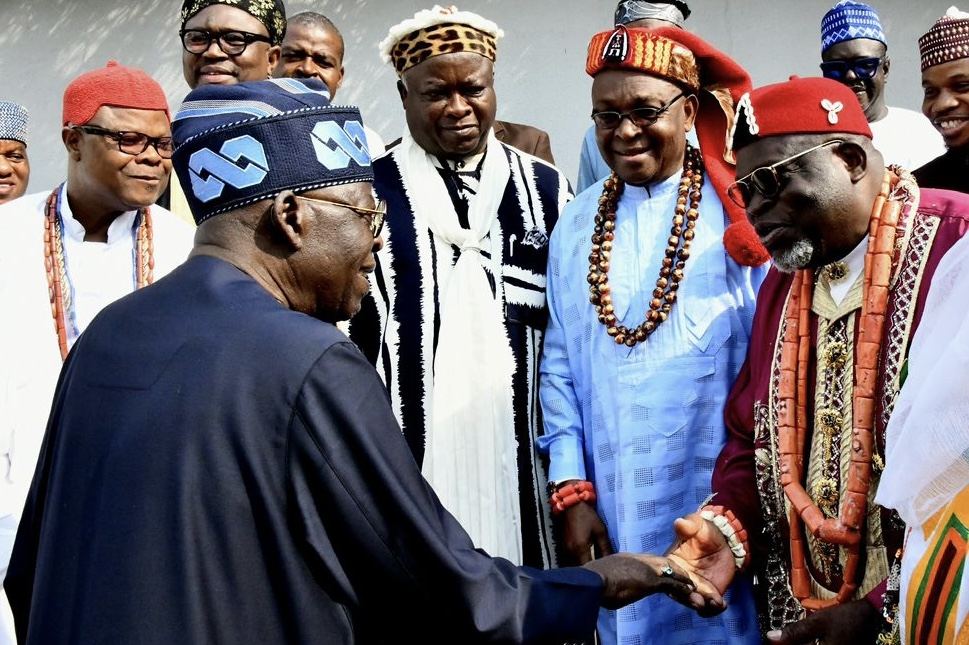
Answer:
(854, 51)
(14, 165)
(223, 465)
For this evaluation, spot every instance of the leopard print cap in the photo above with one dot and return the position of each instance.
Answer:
(446, 38)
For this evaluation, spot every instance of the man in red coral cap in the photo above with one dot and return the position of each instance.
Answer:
(633, 383)
(67, 253)
(855, 247)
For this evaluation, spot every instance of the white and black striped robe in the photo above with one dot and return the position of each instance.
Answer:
(398, 325)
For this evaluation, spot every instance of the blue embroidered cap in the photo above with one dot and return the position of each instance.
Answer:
(243, 143)
(849, 20)
(13, 122)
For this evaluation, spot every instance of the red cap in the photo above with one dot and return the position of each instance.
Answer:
(798, 106)
(686, 59)
(114, 85)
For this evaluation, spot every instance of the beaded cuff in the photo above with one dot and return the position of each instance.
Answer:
(571, 494)
(733, 531)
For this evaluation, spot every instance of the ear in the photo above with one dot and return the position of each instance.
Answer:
(72, 141)
(691, 104)
(855, 158)
(288, 216)
(402, 90)
(273, 54)
(339, 81)
(886, 64)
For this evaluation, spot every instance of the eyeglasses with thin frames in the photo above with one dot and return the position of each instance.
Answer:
(641, 117)
(864, 68)
(132, 143)
(765, 180)
(232, 43)
(375, 217)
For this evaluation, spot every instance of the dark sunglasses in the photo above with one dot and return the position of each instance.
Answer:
(766, 180)
(863, 68)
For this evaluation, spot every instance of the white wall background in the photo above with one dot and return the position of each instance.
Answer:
(541, 81)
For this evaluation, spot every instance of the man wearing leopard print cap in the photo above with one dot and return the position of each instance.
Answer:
(457, 311)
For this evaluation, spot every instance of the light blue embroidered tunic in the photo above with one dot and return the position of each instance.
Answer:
(645, 424)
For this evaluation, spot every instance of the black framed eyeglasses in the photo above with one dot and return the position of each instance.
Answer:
(232, 43)
(864, 68)
(641, 117)
(766, 180)
(132, 143)
(374, 216)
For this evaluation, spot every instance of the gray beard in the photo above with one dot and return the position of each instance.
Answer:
(796, 257)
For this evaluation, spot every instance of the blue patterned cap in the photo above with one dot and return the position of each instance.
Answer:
(849, 20)
(13, 122)
(243, 143)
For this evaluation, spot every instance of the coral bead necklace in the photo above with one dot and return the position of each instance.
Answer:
(844, 530)
(58, 281)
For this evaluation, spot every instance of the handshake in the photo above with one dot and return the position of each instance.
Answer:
(696, 570)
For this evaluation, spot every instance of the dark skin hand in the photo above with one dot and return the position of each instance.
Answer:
(853, 623)
(582, 531)
(628, 577)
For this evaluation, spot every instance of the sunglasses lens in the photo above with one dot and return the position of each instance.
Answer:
(866, 67)
(835, 70)
(765, 181)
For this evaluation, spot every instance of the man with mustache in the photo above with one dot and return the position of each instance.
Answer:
(460, 285)
(14, 164)
(854, 51)
(855, 248)
(234, 473)
(944, 51)
(67, 253)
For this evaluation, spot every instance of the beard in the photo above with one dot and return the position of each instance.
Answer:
(797, 256)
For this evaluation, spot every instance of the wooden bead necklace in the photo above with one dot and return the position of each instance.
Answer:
(674, 261)
(58, 282)
(844, 530)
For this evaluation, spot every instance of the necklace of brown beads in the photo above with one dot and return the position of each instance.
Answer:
(674, 261)
(58, 282)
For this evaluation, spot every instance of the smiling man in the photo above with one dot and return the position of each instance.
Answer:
(827, 357)
(854, 51)
(458, 309)
(223, 465)
(230, 42)
(945, 85)
(14, 164)
(633, 383)
(102, 238)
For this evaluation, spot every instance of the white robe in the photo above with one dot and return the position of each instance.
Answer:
(30, 359)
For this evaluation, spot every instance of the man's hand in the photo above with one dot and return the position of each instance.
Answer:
(701, 549)
(631, 576)
(581, 531)
(853, 623)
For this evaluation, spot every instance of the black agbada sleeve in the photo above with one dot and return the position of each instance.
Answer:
(376, 535)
